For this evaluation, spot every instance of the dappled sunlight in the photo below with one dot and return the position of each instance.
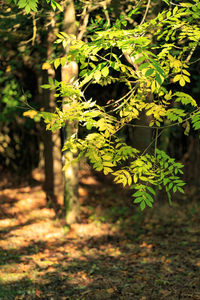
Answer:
(4, 223)
(112, 253)
(99, 150)
(89, 230)
(12, 276)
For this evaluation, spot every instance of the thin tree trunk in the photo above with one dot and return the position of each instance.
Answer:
(69, 73)
(54, 183)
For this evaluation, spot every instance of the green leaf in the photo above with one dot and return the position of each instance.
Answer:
(138, 200)
(148, 196)
(142, 205)
(168, 14)
(148, 202)
(180, 190)
(169, 198)
(27, 9)
(45, 86)
(21, 4)
(149, 72)
(170, 186)
(143, 66)
(138, 193)
(53, 4)
(139, 60)
(59, 6)
(158, 79)
(151, 190)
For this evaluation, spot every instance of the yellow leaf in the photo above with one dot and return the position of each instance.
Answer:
(177, 64)
(107, 157)
(153, 86)
(186, 72)
(182, 81)
(105, 71)
(108, 164)
(186, 78)
(8, 69)
(97, 75)
(135, 178)
(170, 57)
(106, 133)
(168, 96)
(93, 58)
(123, 68)
(129, 180)
(110, 291)
(107, 170)
(30, 113)
(177, 77)
(46, 66)
(57, 63)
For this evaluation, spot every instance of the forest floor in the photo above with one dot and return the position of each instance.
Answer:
(115, 252)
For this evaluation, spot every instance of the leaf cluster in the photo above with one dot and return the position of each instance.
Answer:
(146, 59)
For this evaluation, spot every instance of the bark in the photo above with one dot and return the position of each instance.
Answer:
(69, 73)
(141, 137)
(54, 183)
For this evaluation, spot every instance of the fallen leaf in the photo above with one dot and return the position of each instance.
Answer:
(110, 291)
(38, 293)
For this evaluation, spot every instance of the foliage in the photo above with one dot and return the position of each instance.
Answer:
(32, 5)
(158, 54)
(11, 98)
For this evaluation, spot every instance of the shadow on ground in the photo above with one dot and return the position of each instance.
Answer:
(115, 253)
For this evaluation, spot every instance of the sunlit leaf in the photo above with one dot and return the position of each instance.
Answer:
(105, 71)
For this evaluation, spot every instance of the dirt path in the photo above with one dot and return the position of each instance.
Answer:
(115, 253)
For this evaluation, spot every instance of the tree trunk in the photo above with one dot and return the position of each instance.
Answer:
(54, 182)
(69, 73)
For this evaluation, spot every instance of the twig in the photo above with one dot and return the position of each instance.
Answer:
(34, 33)
(192, 51)
(86, 13)
(154, 140)
(119, 100)
(83, 27)
(34, 30)
(146, 11)
(175, 4)
(106, 14)
(167, 126)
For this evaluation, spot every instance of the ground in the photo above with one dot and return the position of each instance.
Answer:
(115, 252)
